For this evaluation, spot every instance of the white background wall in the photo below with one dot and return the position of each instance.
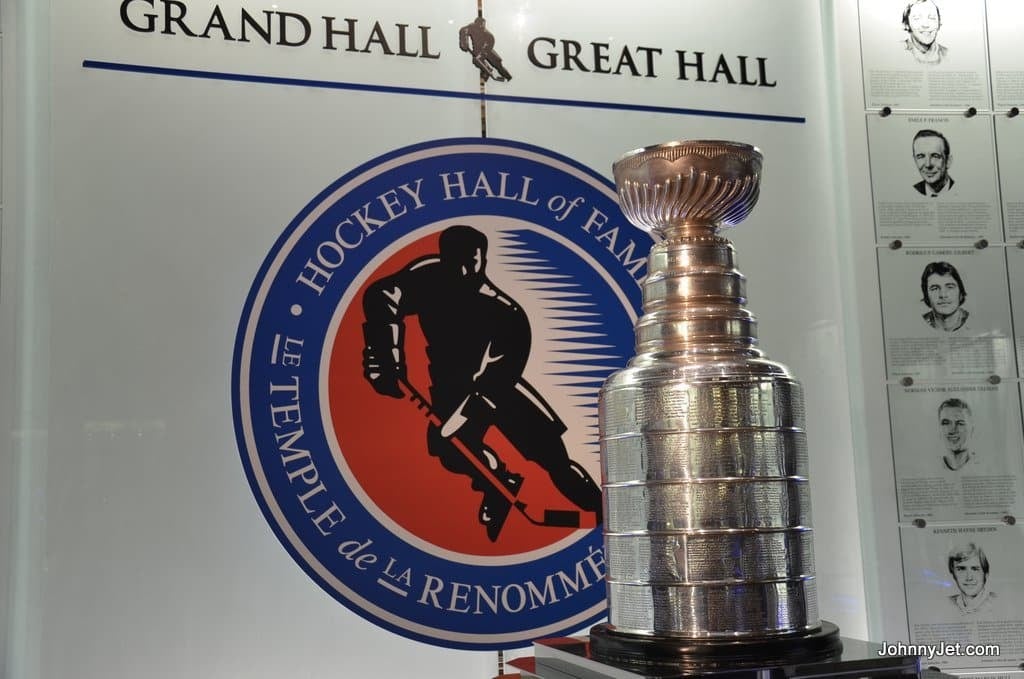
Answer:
(869, 413)
(136, 211)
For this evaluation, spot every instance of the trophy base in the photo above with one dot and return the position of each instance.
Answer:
(701, 656)
(575, 658)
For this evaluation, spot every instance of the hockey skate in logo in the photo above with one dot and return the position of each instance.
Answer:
(478, 343)
(415, 388)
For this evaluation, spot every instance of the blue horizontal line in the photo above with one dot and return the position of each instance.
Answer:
(425, 92)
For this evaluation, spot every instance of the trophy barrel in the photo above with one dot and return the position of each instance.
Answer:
(708, 538)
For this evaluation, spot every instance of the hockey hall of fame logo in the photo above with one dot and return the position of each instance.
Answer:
(415, 388)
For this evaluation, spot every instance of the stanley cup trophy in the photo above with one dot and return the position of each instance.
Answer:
(708, 540)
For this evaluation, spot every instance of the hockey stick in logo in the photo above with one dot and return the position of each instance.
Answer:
(558, 518)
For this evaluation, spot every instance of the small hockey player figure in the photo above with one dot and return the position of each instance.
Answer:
(478, 41)
(478, 343)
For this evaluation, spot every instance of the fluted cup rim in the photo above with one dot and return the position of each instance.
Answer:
(711, 182)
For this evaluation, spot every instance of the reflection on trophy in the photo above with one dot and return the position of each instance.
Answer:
(708, 538)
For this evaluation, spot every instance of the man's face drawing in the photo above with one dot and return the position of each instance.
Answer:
(969, 575)
(943, 294)
(931, 160)
(924, 22)
(957, 428)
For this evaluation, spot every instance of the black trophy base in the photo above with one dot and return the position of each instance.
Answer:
(575, 658)
(702, 656)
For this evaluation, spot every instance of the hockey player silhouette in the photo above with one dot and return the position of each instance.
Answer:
(478, 343)
(479, 42)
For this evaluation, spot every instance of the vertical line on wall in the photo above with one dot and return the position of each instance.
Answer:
(483, 81)
(483, 108)
(991, 94)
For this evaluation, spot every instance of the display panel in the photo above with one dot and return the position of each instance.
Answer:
(1004, 20)
(946, 313)
(924, 54)
(1015, 268)
(933, 178)
(964, 593)
(1010, 137)
(957, 451)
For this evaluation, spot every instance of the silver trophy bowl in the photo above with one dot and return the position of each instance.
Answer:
(708, 538)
